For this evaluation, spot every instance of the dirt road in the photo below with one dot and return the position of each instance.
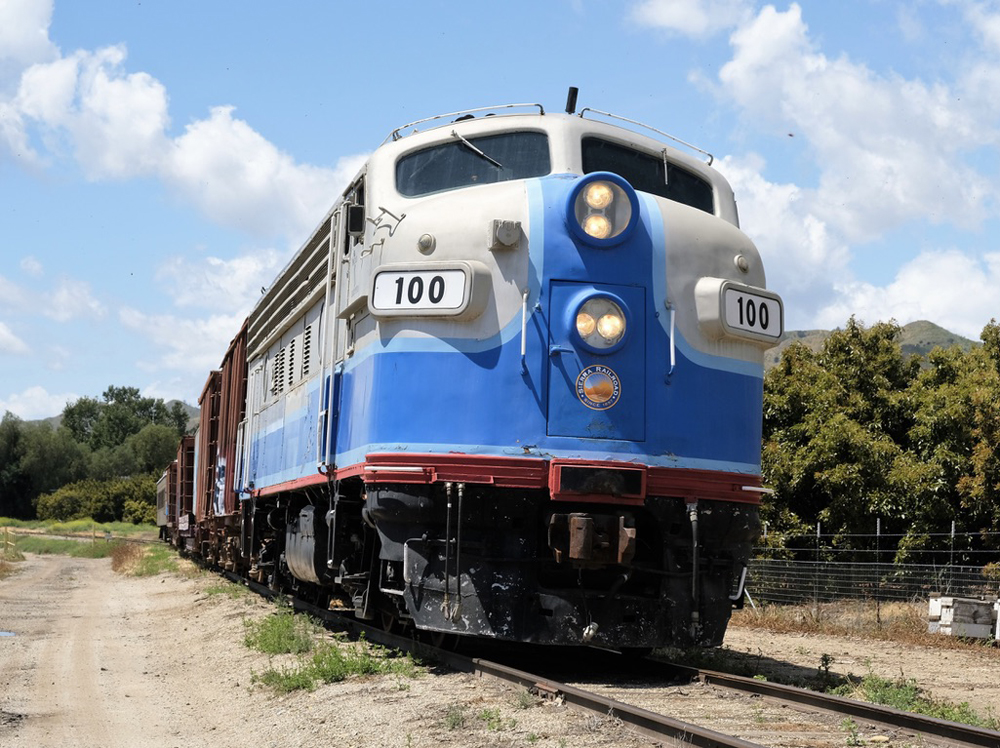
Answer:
(100, 660)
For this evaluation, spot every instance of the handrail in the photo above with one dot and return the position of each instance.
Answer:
(684, 143)
(395, 134)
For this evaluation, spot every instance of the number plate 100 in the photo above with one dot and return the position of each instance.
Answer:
(424, 290)
(753, 313)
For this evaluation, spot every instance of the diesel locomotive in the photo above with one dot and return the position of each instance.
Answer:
(510, 387)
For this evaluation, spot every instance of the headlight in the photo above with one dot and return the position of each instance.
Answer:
(611, 327)
(598, 226)
(600, 323)
(585, 324)
(602, 209)
(598, 195)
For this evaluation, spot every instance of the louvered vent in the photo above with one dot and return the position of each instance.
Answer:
(306, 350)
(291, 363)
(278, 376)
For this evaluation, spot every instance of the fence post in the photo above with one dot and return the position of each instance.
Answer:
(951, 559)
(816, 575)
(878, 570)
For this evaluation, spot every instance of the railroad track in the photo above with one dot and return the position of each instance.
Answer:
(667, 730)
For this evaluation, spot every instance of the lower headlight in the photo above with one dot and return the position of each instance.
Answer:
(600, 322)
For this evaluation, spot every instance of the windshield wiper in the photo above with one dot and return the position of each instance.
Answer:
(476, 150)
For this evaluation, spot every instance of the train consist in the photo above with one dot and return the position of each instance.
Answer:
(510, 387)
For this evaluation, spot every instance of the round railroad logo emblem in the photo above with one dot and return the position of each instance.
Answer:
(598, 387)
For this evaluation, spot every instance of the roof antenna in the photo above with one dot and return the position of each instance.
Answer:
(571, 100)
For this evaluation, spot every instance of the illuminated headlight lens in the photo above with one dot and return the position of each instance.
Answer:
(602, 209)
(598, 195)
(611, 327)
(600, 322)
(597, 226)
(585, 324)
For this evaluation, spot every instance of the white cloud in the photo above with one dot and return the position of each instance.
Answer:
(214, 283)
(12, 295)
(889, 149)
(695, 18)
(32, 266)
(35, 402)
(949, 287)
(115, 124)
(186, 345)
(239, 179)
(798, 248)
(24, 36)
(10, 343)
(71, 299)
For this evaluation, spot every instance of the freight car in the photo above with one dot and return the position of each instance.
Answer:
(510, 387)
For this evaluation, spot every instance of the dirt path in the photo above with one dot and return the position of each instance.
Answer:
(99, 660)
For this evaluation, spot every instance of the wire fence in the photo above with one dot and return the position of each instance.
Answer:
(824, 567)
(799, 582)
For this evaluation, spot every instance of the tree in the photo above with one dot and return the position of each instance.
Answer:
(154, 447)
(15, 485)
(52, 458)
(835, 424)
(122, 412)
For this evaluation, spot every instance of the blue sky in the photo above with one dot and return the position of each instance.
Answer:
(160, 161)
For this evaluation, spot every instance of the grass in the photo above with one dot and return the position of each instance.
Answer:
(890, 621)
(81, 528)
(231, 590)
(332, 663)
(64, 547)
(904, 694)
(281, 633)
(137, 560)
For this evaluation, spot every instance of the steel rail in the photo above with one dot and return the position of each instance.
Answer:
(641, 720)
(956, 733)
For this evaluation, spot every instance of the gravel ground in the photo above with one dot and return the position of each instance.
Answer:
(100, 659)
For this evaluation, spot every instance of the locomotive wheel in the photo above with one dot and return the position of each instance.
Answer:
(388, 621)
(444, 640)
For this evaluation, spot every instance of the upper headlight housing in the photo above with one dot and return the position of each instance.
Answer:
(602, 209)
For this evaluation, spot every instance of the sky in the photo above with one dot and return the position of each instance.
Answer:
(161, 161)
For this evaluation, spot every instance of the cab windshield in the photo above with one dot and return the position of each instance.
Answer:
(645, 172)
(463, 162)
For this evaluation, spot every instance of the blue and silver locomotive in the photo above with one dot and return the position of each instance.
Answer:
(511, 387)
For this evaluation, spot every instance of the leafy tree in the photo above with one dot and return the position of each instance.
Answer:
(15, 484)
(102, 501)
(122, 412)
(52, 457)
(81, 417)
(153, 447)
(834, 429)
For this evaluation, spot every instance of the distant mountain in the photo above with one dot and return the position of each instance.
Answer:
(916, 339)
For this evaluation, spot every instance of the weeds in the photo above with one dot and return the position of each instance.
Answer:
(454, 718)
(228, 589)
(331, 663)
(851, 728)
(524, 699)
(904, 694)
(281, 633)
(62, 547)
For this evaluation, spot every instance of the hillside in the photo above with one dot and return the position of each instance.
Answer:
(916, 339)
